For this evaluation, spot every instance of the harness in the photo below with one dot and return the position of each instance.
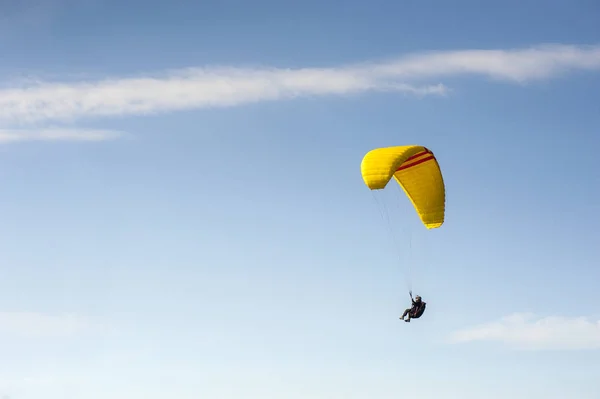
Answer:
(418, 311)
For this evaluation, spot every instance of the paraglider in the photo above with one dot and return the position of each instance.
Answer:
(416, 170)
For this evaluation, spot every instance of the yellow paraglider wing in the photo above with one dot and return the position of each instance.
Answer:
(417, 171)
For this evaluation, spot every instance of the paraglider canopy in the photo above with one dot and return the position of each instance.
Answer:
(416, 170)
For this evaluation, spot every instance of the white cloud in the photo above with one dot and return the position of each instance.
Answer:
(8, 136)
(32, 324)
(526, 331)
(224, 87)
(518, 65)
(192, 88)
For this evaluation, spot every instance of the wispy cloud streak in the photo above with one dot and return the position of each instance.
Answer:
(192, 88)
(8, 136)
(517, 65)
(525, 331)
(31, 324)
(226, 87)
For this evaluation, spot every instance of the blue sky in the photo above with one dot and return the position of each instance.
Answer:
(183, 213)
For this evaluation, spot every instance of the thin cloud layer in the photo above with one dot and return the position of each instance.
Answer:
(525, 331)
(518, 65)
(187, 89)
(226, 87)
(30, 324)
(8, 136)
